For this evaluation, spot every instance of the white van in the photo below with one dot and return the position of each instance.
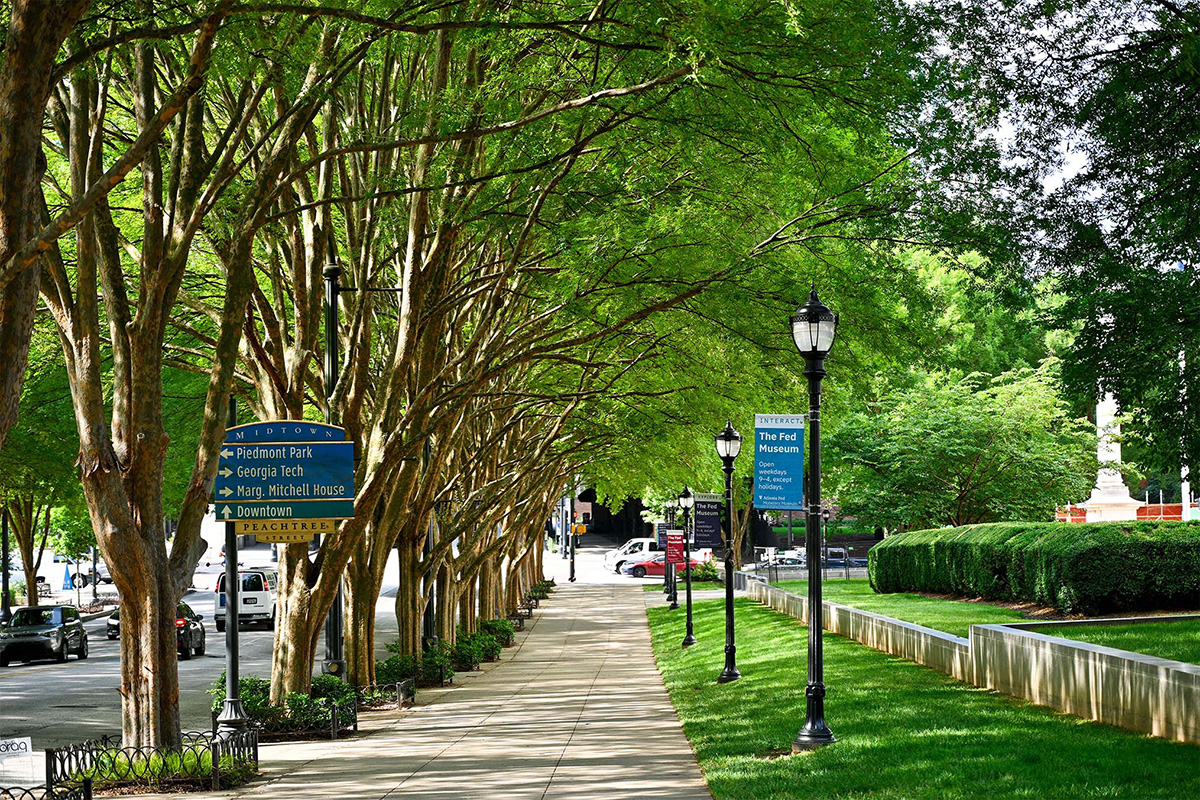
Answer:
(633, 550)
(258, 595)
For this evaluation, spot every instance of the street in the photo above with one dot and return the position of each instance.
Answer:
(58, 704)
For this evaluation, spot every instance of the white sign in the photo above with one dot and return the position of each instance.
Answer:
(16, 748)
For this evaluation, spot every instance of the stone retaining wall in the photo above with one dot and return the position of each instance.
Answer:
(1131, 690)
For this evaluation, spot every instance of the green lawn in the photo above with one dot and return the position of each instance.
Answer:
(951, 616)
(904, 731)
(1179, 641)
(696, 586)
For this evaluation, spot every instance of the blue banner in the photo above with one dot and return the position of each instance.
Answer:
(779, 462)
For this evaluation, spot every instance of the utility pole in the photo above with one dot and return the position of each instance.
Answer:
(572, 539)
(232, 718)
(30, 591)
(335, 657)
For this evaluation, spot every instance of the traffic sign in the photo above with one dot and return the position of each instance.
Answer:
(283, 531)
(285, 470)
(288, 509)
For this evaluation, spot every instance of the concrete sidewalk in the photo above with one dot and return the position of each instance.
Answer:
(577, 710)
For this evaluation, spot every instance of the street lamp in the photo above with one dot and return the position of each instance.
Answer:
(729, 444)
(813, 330)
(686, 501)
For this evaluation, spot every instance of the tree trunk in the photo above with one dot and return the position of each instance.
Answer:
(150, 711)
(468, 616)
(489, 594)
(408, 599)
(362, 590)
(36, 31)
(297, 629)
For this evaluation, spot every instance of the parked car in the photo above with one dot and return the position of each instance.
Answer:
(189, 630)
(82, 576)
(43, 632)
(651, 566)
(258, 594)
(633, 550)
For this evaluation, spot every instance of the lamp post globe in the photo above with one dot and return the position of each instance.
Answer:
(686, 501)
(729, 444)
(814, 327)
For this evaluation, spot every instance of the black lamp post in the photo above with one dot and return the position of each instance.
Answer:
(729, 444)
(686, 501)
(813, 330)
(5, 610)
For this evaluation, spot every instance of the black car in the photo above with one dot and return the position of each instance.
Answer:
(189, 630)
(43, 632)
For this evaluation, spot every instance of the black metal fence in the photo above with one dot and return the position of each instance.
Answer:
(384, 695)
(83, 792)
(71, 771)
(314, 719)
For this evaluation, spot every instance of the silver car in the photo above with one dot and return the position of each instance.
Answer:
(43, 632)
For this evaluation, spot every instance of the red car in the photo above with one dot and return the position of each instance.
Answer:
(651, 566)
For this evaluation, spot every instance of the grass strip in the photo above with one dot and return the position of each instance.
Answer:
(696, 586)
(1178, 641)
(904, 731)
(949, 616)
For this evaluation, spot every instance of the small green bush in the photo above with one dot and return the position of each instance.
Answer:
(1075, 567)
(539, 592)
(427, 668)
(705, 571)
(502, 629)
(332, 687)
(297, 712)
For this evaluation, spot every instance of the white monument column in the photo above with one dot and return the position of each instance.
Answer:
(1110, 499)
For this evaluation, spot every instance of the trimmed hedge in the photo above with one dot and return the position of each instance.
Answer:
(1076, 567)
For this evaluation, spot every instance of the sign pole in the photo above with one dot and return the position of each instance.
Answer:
(572, 578)
(335, 657)
(689, 638)
(232, 718)
(5, 609)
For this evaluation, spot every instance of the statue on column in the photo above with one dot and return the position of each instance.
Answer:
(1110, 499)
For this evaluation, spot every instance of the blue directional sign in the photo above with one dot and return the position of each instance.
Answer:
(779, 461)
(285, 470)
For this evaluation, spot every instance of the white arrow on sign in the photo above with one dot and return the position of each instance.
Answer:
(226, 512)
(226, 453)
(225, 472)
(225, 491)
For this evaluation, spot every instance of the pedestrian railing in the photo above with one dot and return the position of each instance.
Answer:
(383, 695)
(200, 758)
(84, 792)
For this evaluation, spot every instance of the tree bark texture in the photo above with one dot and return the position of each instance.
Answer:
(36, 32)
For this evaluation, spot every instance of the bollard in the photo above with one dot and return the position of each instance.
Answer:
(214, 753)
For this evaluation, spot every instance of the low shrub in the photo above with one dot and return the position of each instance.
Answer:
(1075, 567)
(427, 669)
(504, 631)
(16, 593)
(298, 712)
(539, 592)
(119, 770)
(705, 571)
(472, 649)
